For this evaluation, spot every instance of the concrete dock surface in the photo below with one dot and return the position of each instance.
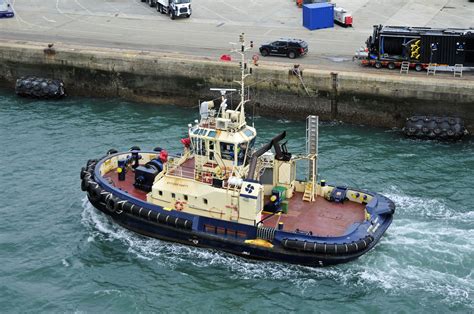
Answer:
(132, 24)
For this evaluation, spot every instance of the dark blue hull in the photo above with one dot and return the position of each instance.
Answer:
(200, 239)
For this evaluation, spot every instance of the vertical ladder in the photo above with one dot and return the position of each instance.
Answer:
(431, 69)
(308, 195)
(458, 70)
(312, 125)
(405, 67)
(234, 200)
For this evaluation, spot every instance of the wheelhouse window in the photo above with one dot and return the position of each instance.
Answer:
(227, 151)
(242, 153)
(199, 145)
(211, 150)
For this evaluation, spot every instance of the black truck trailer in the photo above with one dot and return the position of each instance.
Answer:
(391, 45)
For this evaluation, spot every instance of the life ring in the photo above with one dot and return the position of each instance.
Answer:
(179, 205)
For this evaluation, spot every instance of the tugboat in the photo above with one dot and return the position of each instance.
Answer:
(222, 193)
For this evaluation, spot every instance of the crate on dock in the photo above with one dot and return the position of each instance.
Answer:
(318, 15)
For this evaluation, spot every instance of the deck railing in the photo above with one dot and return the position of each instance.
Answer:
(187, 170)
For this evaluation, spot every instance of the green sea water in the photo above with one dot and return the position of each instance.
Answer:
(59, 254)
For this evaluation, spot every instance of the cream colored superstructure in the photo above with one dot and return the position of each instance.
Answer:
(212, 179)
(209, 179)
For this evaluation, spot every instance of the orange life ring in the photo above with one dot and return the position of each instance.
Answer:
(179, 205)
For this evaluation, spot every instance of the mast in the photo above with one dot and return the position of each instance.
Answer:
(243, 68)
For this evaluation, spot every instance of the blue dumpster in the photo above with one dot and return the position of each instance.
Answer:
(318, 15)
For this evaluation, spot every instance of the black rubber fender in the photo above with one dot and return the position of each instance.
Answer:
(112, 203)
(112, 151)
(83, 172)
(31, 86)
(90, 167)
(84, 185)
(143, 212)
(91, 162)
(161, 218)
(153, 216)
(130, 208)
(135, 210)
(90, 170)
(183, 223)
(117, 205)
(328, 248)
(95, 192)
(430, 127)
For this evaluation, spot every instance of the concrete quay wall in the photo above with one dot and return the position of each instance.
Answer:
(355, 97)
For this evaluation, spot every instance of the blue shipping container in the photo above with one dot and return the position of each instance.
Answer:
(318, 15)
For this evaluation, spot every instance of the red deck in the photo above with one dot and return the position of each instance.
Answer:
(321, 217)
(127, 185)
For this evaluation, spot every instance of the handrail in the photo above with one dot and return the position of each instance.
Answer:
(269, 216)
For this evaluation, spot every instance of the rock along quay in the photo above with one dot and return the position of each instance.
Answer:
(367, 97)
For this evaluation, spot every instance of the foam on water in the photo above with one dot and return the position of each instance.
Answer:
(426, 207)
(395, 266)
(108, 292)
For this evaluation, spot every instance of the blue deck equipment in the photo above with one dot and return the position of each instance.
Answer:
(338, 195)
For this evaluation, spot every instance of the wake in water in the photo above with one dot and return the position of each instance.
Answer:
(429, 247)
(414, 257)
(427, 208)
